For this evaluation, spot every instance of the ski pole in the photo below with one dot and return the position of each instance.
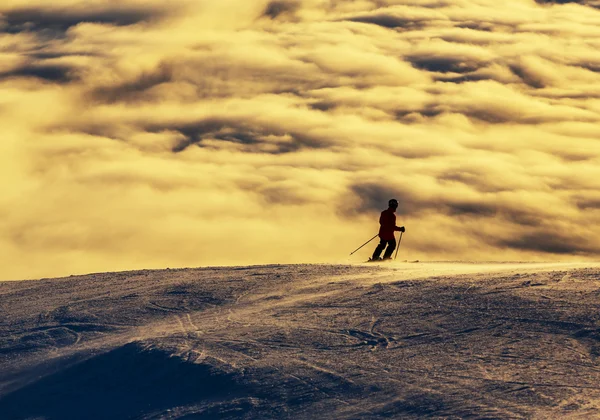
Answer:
(364, 244)
(399, 240)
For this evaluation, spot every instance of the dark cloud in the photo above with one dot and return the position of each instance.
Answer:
(255, 138)
(468, 208)
(464, 78)
(589, 65)
(584, 203)
(475, 179)
(48, 72)
(582, 2)
(445, 64)
(192, 131)
(521, 216)
(60, 20)
(132, 90)
(322, 106)
(45, 55)
(491, 115)
(109, 131)
(550, 242)
(390, 21)
(370, 197)
(528, 77)
(285, 195)
(483, 113)
(464, 177)
(575, 156)
(278, 8)
(408, 116)
(477, 26)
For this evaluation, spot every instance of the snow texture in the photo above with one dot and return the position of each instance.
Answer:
(407, 340)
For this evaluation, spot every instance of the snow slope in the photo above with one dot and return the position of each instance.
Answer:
(305, 341)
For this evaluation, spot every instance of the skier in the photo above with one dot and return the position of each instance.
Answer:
(387, 220)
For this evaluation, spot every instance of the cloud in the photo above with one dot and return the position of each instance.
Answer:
(551, 243)
(134, 89)
(212, 132)
(436, 200)
(365, 67)
(148, 135)
(592, 3)
(48, 72)
(60, 19)
(401, 17)
(278, 8)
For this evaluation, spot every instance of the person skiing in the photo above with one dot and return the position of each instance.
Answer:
(387, 220)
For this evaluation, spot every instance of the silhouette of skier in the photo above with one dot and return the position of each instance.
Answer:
(387, 220)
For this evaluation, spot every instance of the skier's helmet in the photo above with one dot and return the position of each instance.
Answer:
(393, 203)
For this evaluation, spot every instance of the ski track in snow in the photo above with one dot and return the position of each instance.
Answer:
(409, 340)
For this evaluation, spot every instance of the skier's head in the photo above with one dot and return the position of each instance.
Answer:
(393, 203)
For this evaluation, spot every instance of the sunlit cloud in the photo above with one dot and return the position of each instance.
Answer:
(207, 133)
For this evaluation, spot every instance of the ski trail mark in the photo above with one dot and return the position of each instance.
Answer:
(195, 328)
(154, 305)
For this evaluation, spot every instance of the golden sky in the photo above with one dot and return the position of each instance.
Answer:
(150, 134)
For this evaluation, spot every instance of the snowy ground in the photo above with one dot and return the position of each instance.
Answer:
(406, 340)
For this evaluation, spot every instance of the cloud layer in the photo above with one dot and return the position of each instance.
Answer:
(236, 132)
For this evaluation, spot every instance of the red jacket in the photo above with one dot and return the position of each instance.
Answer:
(387, 220)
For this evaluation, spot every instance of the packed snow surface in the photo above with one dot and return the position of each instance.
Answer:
(405, 340)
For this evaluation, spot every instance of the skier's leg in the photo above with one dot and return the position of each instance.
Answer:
(391, 245)
(379, 250)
